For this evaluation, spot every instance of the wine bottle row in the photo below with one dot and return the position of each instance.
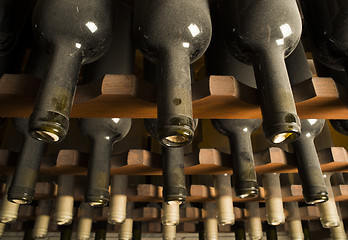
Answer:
(169, 44)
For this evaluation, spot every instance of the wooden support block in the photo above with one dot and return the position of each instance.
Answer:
(187, 227)
(26, 212)
(334, 159)
(201, 193)
(274, 160)
(44, 190)
(154, 227)
(309, 213)
(190, 214)
(68, 162)
(126, 96)
(207, 161)
(147, 214)
(136, 162)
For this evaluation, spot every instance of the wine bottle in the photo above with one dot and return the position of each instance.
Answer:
(103, 133)
(220, 61)
(119, 59)
(84, 225)
(328, 212)
(8, 210)
(126, 230)
(244, 175)
(271, 232)
(210, 221)
(326, 26)
(239, 230)
(64, 208)
(340, 126)
(254, 220)
(22, 187)
(74, 33)
(273, 197)
(170, 214)
(263, 33)
(100, 231)
(224, 201)
(338, 232)
(314, 189)
(42, 219)
(173, 34)
(28, 233)
(65, 232)
(294, 220)
(174, 187)
(118, 201)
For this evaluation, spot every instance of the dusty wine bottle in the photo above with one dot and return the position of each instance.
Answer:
(74, 33)
(42, 219)
(22, 187)
(263, 33)
(118, 199)
(174, 187)
(314, 189)
(273, 197)
(326, 23)
(103, 132)
(84, 224)
(173, 34)
(239, 131)
(224, 201)
(64, 208)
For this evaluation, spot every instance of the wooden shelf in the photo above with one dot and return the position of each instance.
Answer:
(125, 96)
(202, 162)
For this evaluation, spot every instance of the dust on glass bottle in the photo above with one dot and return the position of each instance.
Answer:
(74, 33)
(314, 188)
(239, 132)
(22, 188)
(263, 33)
(103, 132)
(173, 34)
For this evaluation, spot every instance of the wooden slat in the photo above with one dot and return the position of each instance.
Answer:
(214, 97)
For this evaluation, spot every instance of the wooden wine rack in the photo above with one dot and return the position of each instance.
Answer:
(126, 96)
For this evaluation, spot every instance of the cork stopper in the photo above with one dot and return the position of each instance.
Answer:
(2, 229)
(273, 196)
(64, 210)
(117, 209)
(210, 222)
(42, 219)
(224, 199)
(328, 211)
(84, 225)
(126, 230)
(254, 221)
(170, 213)
(8, 210)
(169, 232)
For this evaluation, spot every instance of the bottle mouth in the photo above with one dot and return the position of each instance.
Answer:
(175, 136)
(48, 126)
(20, 195)
(283, 137)
(251, 193)
(316, 198)
(97, 197)
(46, 136)
(282, 128)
